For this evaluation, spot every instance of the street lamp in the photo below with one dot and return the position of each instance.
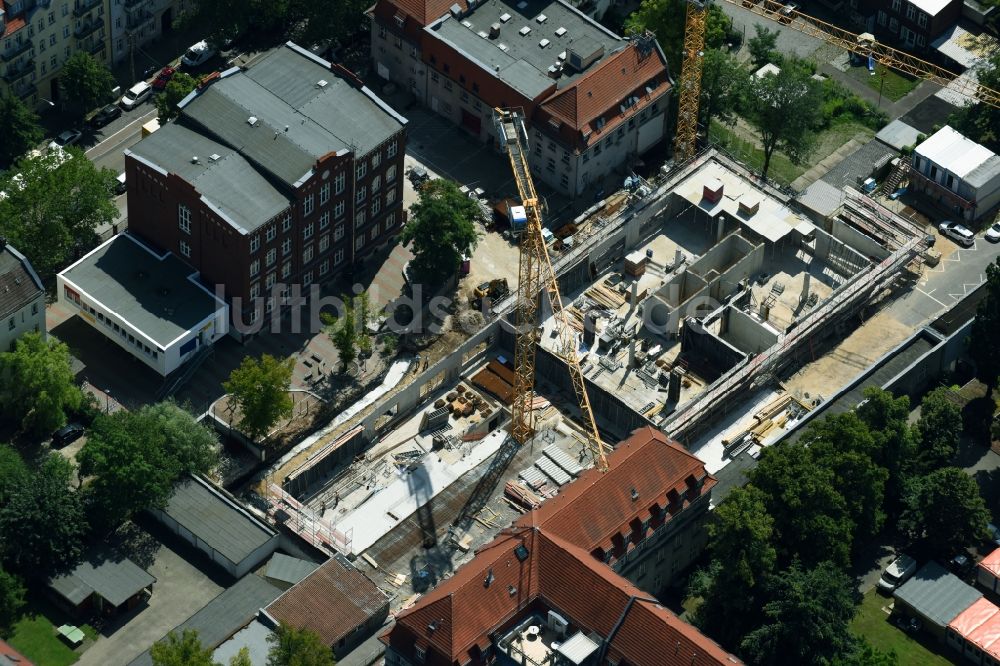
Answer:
(107, 401)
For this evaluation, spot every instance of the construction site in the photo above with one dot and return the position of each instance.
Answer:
(688, 305)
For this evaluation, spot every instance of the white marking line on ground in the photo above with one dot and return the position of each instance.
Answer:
(126, 128)
(942, 304)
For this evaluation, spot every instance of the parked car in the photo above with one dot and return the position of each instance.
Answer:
(67, 138)
(957, 233)
(198, 54)
(163, 78)
(68, 434)
(993, 233)
(120, 183)
(136, 95)
(105, 116)
(897, 573)
(994, 535)
(788, 13)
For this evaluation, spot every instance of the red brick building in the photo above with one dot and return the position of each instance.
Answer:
(289, 172)
(593, 101)
(543, 591)
(910, 24)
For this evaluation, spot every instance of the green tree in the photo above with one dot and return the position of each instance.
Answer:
(723, 82)
(86, 82)
(887, 418)
(43, 522)
(981, 122)
(241, 658)
(183, 650)
(38, 386)
(11, 601)
(863, 654)
(259, 387)
(665, 19)
(343, 333)
(53, 209)
(811, 520)
(733, 588)
(21, 129)
(13, 472)
(134, 459)
(297, 647)
(763, 46)
(945, 510)
(984, 347)
(177, 89)
(806, 621)
(939, 427)
(441, 231)
(786, 108)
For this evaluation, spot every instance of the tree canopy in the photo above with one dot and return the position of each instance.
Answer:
(38, 387)
(260, 388)
(21, 129)
(887, 418)
(183, 650)
(297, 647)
(181, 83)
(441, 230)
(348, 331)
(763, 46)
(11, 601)
(981, 122)
(86, 82)
(54, 207)
(723, 83)
(785, 110)
(134, 459)
(984, 347)
(945, 510)
(665, 19)
(939, 428)
(43, 521)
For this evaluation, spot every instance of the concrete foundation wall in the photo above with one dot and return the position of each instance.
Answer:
(855, 240)
(746, 333)
(709, 354)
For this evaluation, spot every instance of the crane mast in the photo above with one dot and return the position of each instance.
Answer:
(535, 271)
(690, 94)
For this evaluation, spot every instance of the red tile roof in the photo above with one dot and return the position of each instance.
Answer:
(505, 582)
(426, 11)
(600, 92)
(12, 25)
(7, 651)
(597, 506)
(333, 601)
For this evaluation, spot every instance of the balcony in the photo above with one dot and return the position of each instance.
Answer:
(88, 28)
(10, 54)
(83, 6)
(133, 4)
(15, 74)
(97, 47)
(25, 91)
(141, 24)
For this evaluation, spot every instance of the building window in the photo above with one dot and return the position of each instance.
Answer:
(360, 170)
(286, 269)
(307, 231)
(338, 183)
(338, 257)
(286, 223)
(361, 194)
(911, 11)
(359, 242)
(270, 280)
(286, 247)
(184, 218)
(391, 150)
(896, 4)
(338, 210)
(324, 243)
(420, 654)
(882, 16)
(390, 174)
(307, 279)
(893, 26)
(374, 233)
(390, 196)
(34, 308)
(307, 254)
(269, 259)
(271, 233)
(376, 206)
(324, 267)
(307, 205)
(324, 220)
(390, 220)
(338, 232)
(255, 290)
(376, 160)
(10, 324)
(324, 194)
(254, 243)
(254, 267)
(434, 77)
(922, 20)
(376, 183)
(359, 219)
(921, 41)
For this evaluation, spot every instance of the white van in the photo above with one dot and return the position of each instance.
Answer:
(136, 95)
(120, 183)
(197, 54)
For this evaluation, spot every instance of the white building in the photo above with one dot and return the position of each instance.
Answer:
(153, 306)
(22, 297)
(957, 173)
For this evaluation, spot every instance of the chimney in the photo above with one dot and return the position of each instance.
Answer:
(712, 190)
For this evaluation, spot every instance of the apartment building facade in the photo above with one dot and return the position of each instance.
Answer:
(38, 36)
(135, 23)
(288, 173)
(910, 24)
(22, 297)
(957, 173)
(592, 100)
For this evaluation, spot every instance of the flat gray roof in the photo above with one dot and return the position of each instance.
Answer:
(226, 614)
(523, 63)
(223, 176)
(150, 292)
(861, 163)
(936, 594)
(216, 520)
(289, 569)
(113, 577)
(303, 111)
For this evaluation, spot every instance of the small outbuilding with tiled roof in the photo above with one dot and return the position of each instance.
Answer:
(988, 572)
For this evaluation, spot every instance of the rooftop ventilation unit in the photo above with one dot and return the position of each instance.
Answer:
(560, 31)
(322, 83)
(483, 34)
(504, 17)
(541, 18)
(503, 47)
(194, 159)
(252, 121)
(524, 31)
(584, 54)
(562, 56)
(544, 43)
(455, 10)
(467, 24)
(494, 30)
(214, 157)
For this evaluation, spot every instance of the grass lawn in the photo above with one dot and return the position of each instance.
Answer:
(36, 638)
(896, 86)
(874, 625)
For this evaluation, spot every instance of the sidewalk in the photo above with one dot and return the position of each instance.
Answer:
(895, 109)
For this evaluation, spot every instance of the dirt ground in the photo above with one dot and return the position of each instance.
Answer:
(858, 351)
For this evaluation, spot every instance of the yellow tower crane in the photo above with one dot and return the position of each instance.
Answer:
(861, 44)
(534, 272)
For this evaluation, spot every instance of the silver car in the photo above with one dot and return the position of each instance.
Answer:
(897, 573)
(958, 233)
(993, 233)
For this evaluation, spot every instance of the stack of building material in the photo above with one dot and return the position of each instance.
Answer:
(553, 471)
(522, 496)
(635, 263)
(563, 459)
(533, 477)
(609, 299)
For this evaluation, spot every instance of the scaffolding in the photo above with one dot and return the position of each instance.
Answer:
(285, 510)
